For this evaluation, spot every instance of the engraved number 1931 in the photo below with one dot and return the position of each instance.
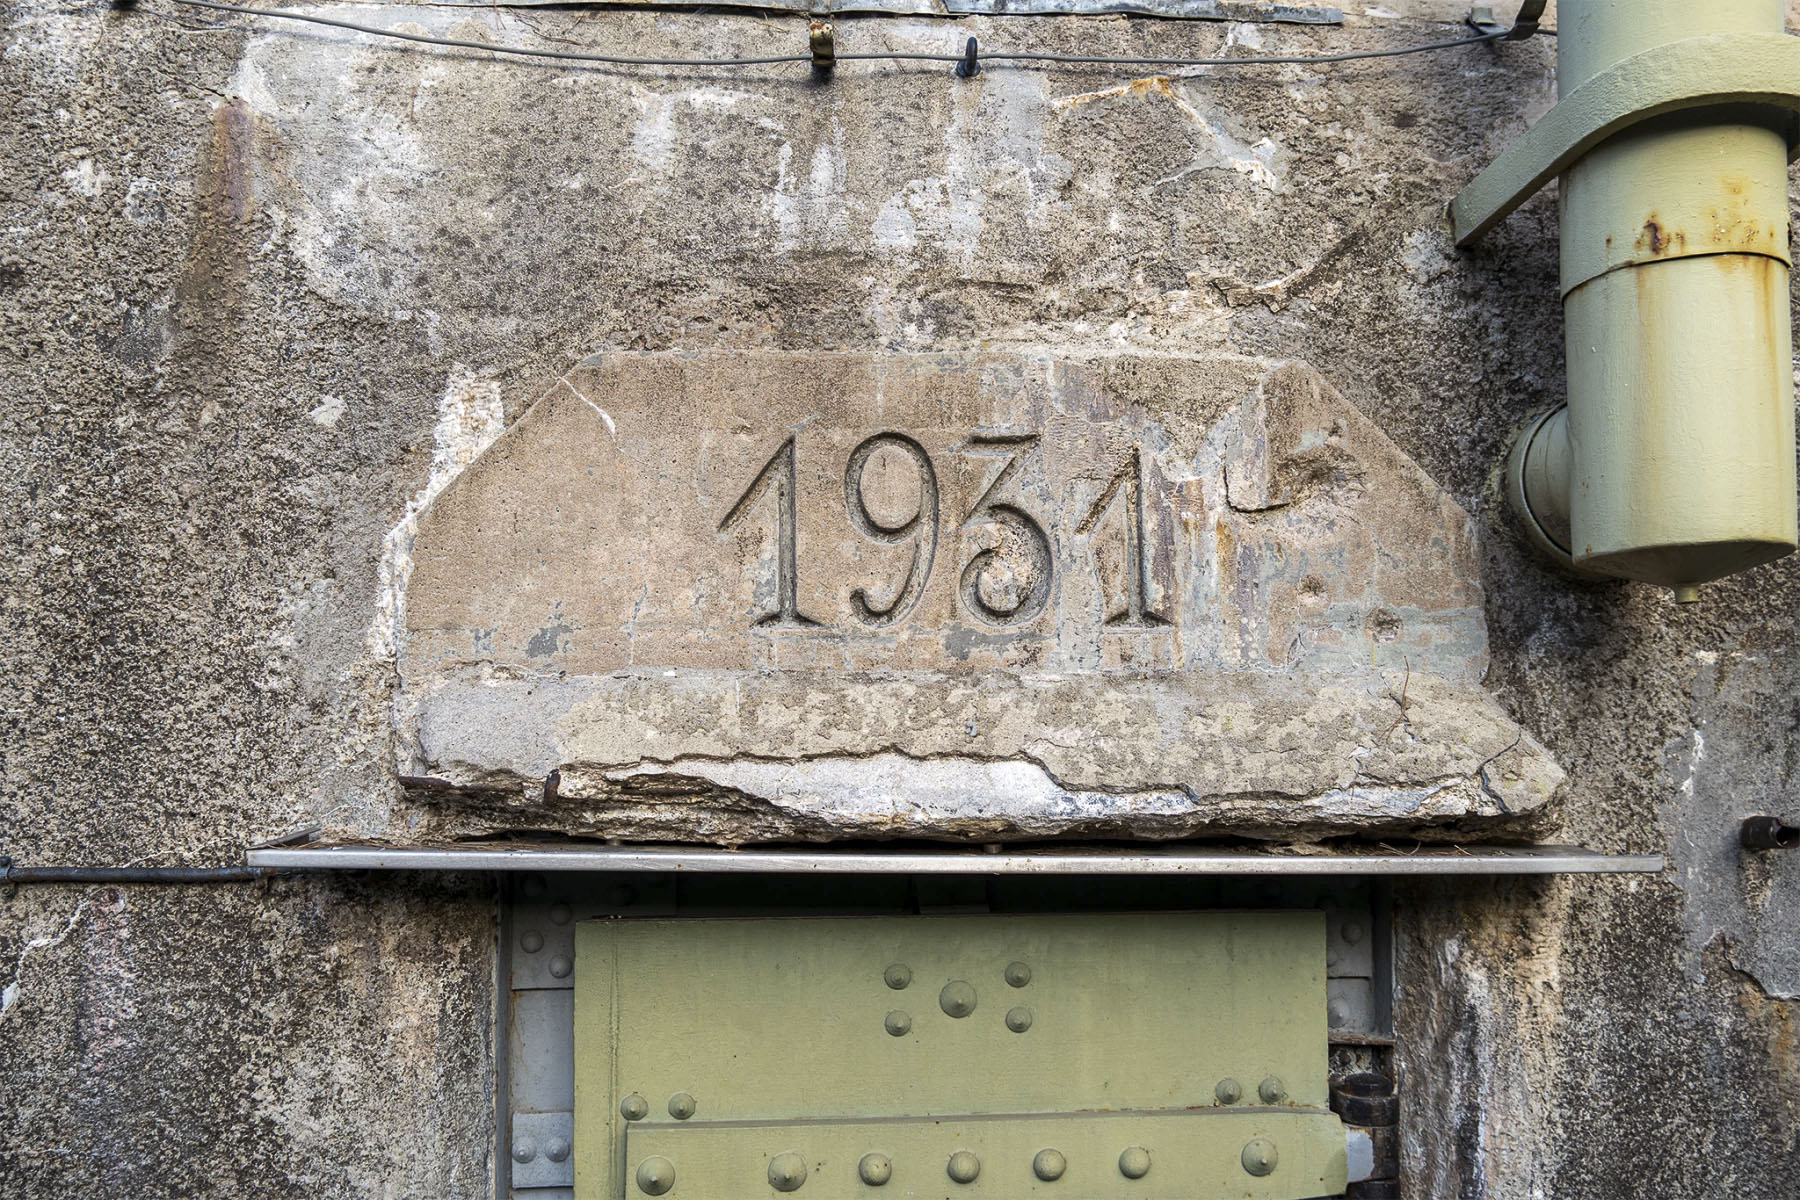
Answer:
(1007, 583)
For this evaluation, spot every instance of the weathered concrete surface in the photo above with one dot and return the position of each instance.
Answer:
(300, 1039)
(755, 596)
(263, 294)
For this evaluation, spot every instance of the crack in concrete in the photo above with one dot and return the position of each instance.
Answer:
(9, 994)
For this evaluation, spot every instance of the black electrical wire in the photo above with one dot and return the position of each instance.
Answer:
(59, 874)
(1024, 56)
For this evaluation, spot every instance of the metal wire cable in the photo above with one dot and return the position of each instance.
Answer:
(1022, 56)
(1257, 61)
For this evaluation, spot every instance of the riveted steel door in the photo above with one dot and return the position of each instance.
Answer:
(1092, 1056)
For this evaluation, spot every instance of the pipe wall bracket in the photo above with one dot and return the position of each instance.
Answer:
(1760, 69)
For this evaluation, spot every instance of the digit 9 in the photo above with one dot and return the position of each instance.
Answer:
(920, 528)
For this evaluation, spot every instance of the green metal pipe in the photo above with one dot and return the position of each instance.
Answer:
(1675, 462)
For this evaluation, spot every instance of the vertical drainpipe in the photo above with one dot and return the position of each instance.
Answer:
(1673, 461)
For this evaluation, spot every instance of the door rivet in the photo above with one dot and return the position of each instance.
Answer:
(560, 914)
(1272, 1090)
(655, 1175)
(556, 1149)
(1337, 1014)
(1018, 974)
(897, 975)
(875, 1169)
(1134, 1163)
(1259, 1156)
(1049, 1165)
(1018, 1019)
(964, 1167)
(1352, 932)
(681, 1106)
(560, 967)
(957, 999)
(1228, 1091)
(532, 942)
(634, 1107)
(524, 1149)
(787, 1171)
(898, 1023)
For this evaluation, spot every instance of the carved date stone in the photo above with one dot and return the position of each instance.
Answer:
(763, 596)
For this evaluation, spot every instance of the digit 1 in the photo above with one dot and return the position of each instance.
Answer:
(780, 475)
(1137, 613)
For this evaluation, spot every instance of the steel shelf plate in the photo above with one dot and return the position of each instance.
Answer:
(1484, 860)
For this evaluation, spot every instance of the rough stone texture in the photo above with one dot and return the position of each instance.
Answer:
(1172, 595)
(304, 1038)
(264, 293)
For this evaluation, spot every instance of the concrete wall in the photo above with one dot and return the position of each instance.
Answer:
(261, 287)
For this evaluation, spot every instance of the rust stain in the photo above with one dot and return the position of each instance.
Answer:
(1657, 240)
(210, 295)
(234, 132)
(1140, 89)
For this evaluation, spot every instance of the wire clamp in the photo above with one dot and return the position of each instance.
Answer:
(822, 40)
(968, 66)
(1481, 19)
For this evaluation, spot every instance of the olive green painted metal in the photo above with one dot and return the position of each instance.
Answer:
(1674, 462)
(806, 1050)
(1760, 69)
(1266, 1154)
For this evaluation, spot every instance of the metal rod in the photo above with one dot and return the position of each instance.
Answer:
(1764, 832)
(1528, 860)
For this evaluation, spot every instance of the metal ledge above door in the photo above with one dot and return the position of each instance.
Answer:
(1169, 860)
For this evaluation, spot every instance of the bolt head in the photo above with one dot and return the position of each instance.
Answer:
(1259, 1157)
(787, 1171)
(531, 942)
(634, 1107)
(1049, 1165)
(1272, 1090)
(875, 1169)
(557, 1149)
(523, 1149)
(957, 999)
(1018, 974)
(1134, 1163)
(560, 966)
(1018, 1019)
(897, 975)
(1352, 932)
(682, 1106)
(655, 1175)
(963, 1167)
(1336, 1015)
(898, 1024)
(1228, 1091)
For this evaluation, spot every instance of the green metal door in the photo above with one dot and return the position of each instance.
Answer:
(1092, 1056)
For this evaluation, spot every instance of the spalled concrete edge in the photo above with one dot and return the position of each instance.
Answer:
(646, 756)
